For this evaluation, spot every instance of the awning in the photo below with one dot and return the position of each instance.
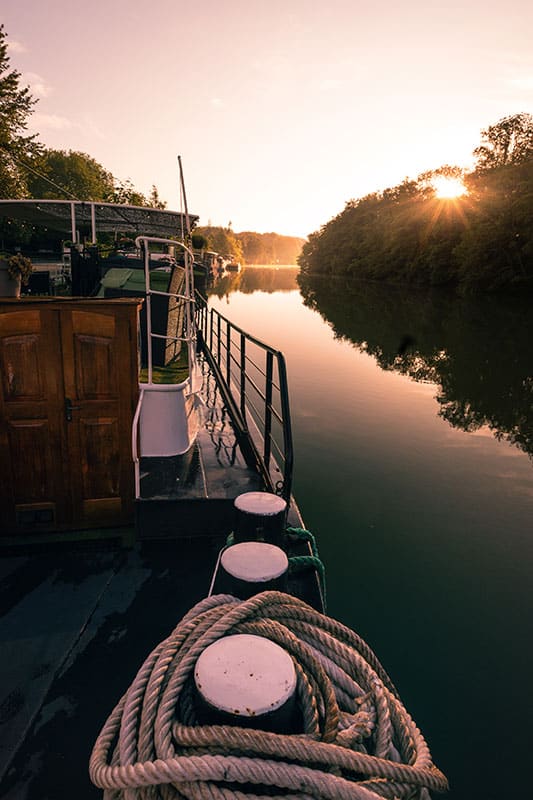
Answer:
(67, 216)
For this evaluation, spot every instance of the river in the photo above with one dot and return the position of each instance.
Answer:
(413, 434)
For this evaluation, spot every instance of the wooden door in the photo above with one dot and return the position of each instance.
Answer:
(68, 394)
(31, 436)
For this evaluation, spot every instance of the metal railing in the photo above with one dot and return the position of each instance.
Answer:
(253, 379)
(187, 298)
(188, 336)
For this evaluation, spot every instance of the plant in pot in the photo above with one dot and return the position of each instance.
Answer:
(14, 271)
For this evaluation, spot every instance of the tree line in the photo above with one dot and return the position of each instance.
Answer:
(481, 240)
(250, 247)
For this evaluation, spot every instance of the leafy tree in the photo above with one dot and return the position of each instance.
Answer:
(124, 193)
(222, 240)
(482, 240)
(60, 173)
(154, 201)
(509, 141)
(16, 105)
(269, 248)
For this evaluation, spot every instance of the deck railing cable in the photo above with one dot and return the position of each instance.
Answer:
(253, 379)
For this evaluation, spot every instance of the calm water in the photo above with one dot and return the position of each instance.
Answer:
(414, 469)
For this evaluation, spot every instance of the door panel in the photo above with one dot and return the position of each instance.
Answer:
(68, 387)
(96, 375)
(95, 355)
(31, 467)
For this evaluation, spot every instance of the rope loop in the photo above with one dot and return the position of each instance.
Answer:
(357, 740)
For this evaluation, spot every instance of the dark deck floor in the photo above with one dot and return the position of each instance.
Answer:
(74, 631)
(75, 628)
(78, 619)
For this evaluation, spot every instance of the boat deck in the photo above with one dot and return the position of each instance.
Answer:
(76, 626)
(79, 618)
(193, 494)
(75, 629)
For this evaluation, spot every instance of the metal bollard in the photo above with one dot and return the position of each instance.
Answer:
(247, 681)
(248, 568)
(260, 516)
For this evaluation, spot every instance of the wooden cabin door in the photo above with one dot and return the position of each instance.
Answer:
(68, 394)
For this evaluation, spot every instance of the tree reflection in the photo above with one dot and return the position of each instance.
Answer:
(256, 279)
(477, 351)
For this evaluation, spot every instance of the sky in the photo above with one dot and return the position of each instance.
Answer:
(282, 110)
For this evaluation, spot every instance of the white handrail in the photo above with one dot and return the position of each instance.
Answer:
(188, 298)
(134, 448)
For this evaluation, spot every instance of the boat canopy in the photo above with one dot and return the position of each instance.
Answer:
(67, 216)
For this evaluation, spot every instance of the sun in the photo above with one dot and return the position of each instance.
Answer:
(446, 188)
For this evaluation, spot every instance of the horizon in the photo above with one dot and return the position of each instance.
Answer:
(281, 114)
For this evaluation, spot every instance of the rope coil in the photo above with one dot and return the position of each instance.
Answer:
(358, 741)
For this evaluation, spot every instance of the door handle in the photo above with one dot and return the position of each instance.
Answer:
(69, 408)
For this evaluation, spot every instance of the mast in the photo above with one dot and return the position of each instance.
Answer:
(189, 291)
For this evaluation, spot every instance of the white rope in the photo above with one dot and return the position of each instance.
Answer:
(358, 741)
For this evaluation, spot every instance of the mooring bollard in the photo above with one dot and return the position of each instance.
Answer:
(248, 568)
(247, 681)
(260, 516)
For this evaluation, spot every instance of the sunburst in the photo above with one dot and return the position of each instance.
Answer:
(448, 188)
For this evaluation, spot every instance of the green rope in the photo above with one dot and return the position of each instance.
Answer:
(297, 563)
(305, 536)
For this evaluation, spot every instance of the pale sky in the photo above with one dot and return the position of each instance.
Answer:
(282, 110)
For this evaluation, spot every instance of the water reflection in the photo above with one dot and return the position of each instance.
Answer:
(254, 279)
(477, 350)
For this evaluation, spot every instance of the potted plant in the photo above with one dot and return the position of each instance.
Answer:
(14, 271)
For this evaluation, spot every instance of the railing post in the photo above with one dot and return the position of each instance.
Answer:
(219, 321)
(228, 354)
(243, 375)
(268, 408)
(287, 427)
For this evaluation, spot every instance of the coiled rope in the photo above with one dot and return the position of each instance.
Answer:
(359, 742)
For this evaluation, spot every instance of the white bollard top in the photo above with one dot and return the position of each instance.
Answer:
(245, 675)
(263, 504)
(254, 562)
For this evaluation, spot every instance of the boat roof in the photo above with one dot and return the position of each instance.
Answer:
(57, 215)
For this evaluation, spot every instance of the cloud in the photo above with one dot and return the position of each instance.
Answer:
(328, 84)
(51, 122)
(90, 127)
(525, 82)
(37, 84)
(54, 122)
(16, 47)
